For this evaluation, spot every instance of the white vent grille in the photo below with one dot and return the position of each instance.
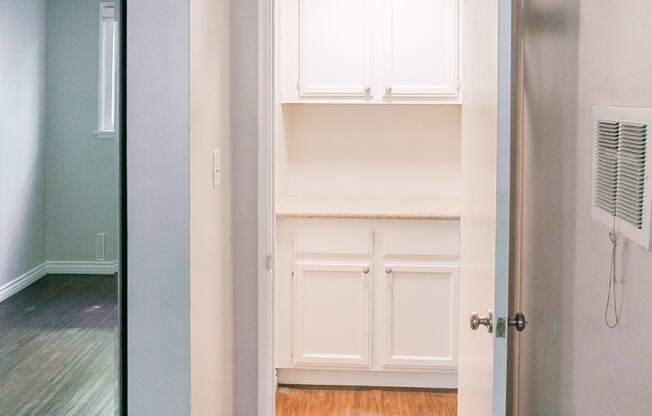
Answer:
(631, 172)
(621, 195)
(606, 181)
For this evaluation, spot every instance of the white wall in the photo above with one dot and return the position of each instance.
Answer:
(578, 54)
(158, 208)
(211, 237)
(180, 245)
(22, 137)
(397, 150)
(550, 142)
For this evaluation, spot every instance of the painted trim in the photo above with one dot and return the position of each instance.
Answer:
(439, 379)
(56, 267)
(21, 282)
(507, 12)
(82, 267)
(106, 12)
(266, 371)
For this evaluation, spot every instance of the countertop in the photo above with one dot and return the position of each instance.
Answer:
(370, 207)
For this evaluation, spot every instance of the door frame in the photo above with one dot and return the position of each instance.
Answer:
(508, 88)
(121, 102)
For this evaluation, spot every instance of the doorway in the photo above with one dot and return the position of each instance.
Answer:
(385, 171)
(61, 277)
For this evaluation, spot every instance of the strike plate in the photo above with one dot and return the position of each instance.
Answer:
(500, 328)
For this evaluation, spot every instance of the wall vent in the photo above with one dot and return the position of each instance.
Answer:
(621, 155)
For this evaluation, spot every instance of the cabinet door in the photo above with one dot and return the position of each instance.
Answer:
(331, 314)
(420, 316)
(334, 48)
(422, 48)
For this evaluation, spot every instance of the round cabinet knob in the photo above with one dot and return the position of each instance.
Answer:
(367, 89)
(365, 270)
(388, 270)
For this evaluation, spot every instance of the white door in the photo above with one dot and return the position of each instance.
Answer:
(335, 46)
(486, 135)
(422, 48)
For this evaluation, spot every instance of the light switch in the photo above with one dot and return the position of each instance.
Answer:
(217, 168)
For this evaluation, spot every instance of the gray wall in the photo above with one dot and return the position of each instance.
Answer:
(22, 137)
(158, 207)
(81, 169)
(551, 41)
(578, 54)
(244, 128)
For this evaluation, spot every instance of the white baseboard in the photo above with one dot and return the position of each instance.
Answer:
(22, 281)
(56, 267)
(81, 267)
(444, 379)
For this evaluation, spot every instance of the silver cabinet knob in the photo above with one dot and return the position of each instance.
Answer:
(388, 269)
(367, 89)
(388, 90)
(365, 270)
(518, 321)
(487, 321)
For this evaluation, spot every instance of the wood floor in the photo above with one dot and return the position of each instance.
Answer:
(314, 401)
(58, 345)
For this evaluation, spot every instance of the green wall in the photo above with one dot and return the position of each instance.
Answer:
(22, 137)
(81, 169)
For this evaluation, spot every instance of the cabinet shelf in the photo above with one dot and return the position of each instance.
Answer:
(370, 207)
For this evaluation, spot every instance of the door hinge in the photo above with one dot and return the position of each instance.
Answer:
(269, 262)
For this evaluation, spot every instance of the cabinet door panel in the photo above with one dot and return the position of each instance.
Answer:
(421, 316)
(335, 47)
(422, 48)
(331, 314)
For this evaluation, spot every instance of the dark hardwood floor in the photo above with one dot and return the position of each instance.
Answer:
(58, 348)
(330, 401)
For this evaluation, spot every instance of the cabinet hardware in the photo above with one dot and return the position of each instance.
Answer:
(365, 270)
(388, 269)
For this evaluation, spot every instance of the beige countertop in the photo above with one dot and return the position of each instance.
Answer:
(370, 207)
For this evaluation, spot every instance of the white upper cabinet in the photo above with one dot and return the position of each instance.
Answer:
(367, 51)
(334, 48)
(422, 48)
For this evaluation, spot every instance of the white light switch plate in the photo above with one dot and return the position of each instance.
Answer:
(217, 168)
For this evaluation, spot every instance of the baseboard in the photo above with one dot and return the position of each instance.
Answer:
(444, 379)
(81, 267)
(22, 281)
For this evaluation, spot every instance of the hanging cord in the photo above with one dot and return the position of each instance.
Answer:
(613, 281)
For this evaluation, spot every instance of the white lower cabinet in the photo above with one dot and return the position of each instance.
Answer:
(367, 302)
(419, 315)
(331, 313)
